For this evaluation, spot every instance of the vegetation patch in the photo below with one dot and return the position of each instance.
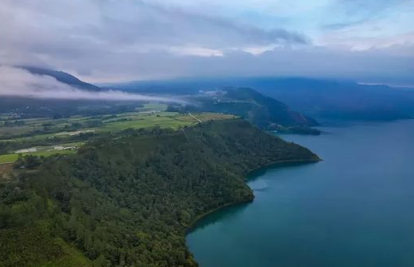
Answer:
(45, 134)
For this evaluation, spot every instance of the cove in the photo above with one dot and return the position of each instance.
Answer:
(353, 209)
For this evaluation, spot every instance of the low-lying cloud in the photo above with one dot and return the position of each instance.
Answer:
(21, 83)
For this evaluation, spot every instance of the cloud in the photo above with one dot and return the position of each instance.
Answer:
(387, 17)
(343, 25)
(393, 63)
(115, 40)
(47, 28)
(405, 42)
(369, 7)
(21, 83)
(149, 24)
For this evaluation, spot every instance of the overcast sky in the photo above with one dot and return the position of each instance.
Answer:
(119, 40)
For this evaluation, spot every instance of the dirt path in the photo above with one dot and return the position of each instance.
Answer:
(194, 117)
(5, 169)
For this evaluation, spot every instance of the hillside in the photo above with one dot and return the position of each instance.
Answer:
(128, 199)
(62, 77)
(318, 98)
(262, 111)
(339, 100)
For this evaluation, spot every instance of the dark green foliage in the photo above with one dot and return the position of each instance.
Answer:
(128, 200)
(34, 244)
(11, 123)
(28, 162)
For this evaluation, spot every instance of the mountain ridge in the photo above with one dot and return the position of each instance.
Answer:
(263, 111)
(62, 77)
(316, 97)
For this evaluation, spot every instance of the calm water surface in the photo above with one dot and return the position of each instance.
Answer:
(354, 209)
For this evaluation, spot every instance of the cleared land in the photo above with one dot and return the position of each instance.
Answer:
(46, 129)
(13, 126)
(4, 169)
(108, 123)
(44, 151)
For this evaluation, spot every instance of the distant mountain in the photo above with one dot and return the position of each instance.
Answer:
(322, 99)
(62, 77)
(263, 111)
(339, 99)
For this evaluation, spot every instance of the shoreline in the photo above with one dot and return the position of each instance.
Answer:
(193, 225)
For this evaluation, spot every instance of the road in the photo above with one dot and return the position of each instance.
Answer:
(192, 116)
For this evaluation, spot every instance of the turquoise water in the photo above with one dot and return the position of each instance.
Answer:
(354, 209)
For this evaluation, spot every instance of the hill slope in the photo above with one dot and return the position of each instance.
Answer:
(319, 98)
(128, 200)
(339, 99)
(62, 77)
(262, 111)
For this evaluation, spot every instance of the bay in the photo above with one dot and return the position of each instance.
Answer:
(353, 209)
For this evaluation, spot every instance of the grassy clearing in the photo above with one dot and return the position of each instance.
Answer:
(151, 115)
(49, 128)
(206, 116)
(10, 158)
(107, 123)
(111, 123)
(58, 147)
(37, 124)
(5, 169)
(161, 119)
(6, 131)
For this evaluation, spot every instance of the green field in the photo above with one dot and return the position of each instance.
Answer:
(108, 123)
(19, 127)
(47, 129)
(9, 158)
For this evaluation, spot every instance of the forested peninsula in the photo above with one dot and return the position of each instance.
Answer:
(127, 199)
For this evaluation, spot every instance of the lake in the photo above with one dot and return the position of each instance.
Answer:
(353, 209)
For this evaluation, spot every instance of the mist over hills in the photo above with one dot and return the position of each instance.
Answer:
(320, 98)
(340, 100)
(62, 77)
(36, 83)
(262, 111)
(317, 98)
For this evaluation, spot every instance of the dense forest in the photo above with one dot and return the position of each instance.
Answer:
(128, 199)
